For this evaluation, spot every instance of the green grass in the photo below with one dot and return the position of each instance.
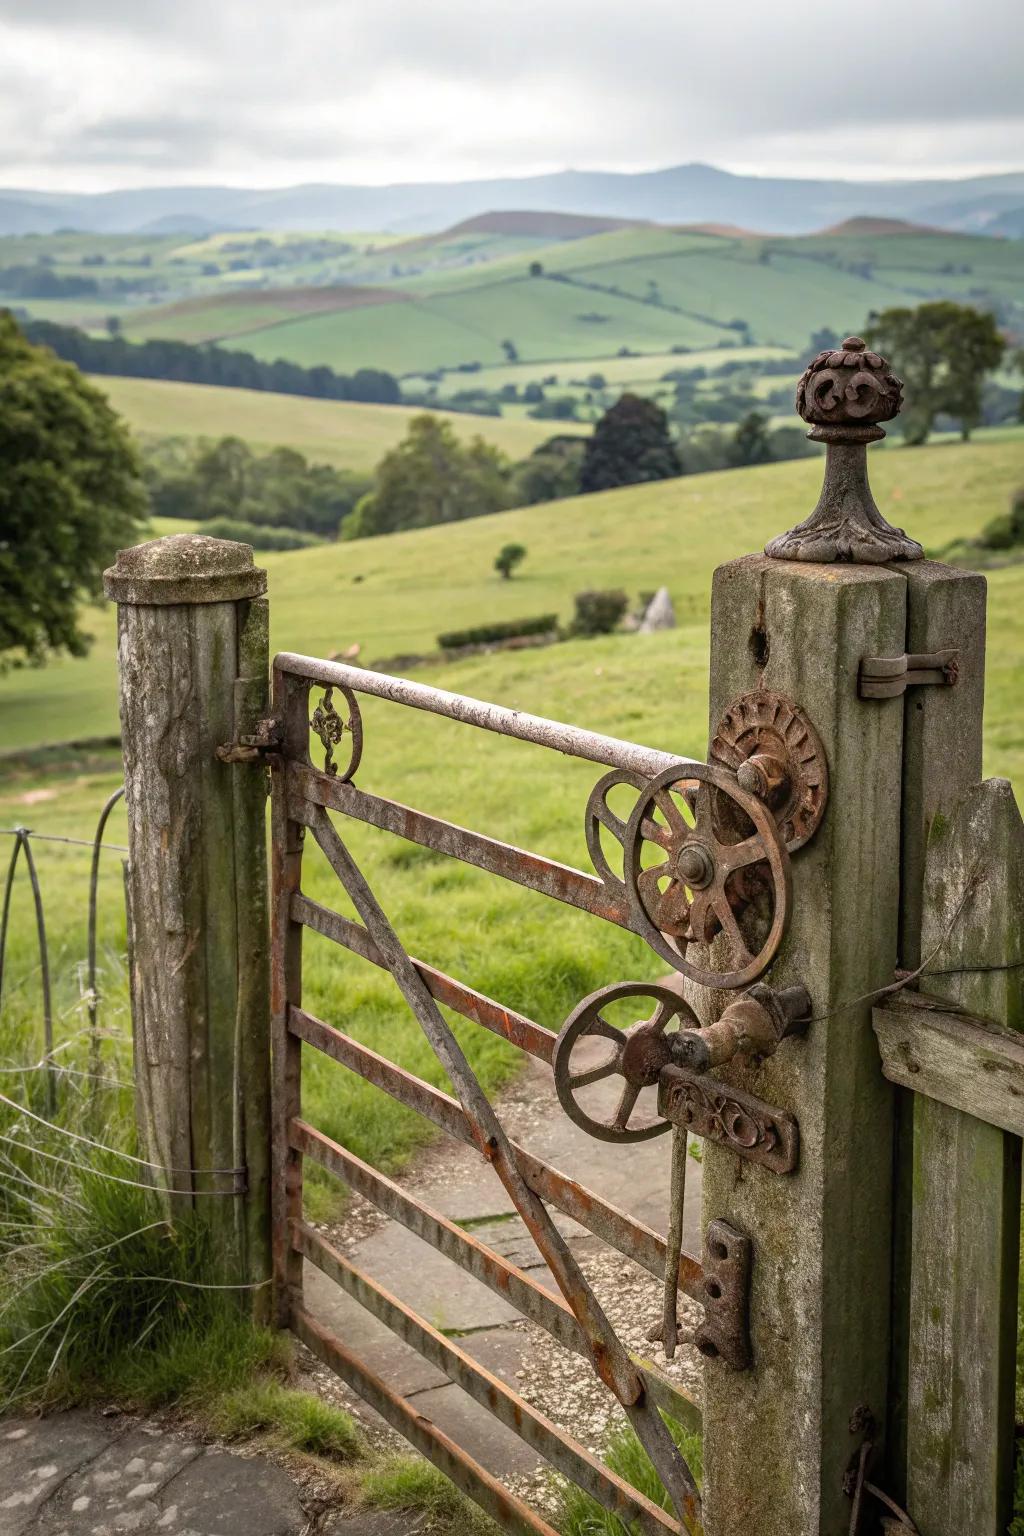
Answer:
(580, 1515)
(407, 1483)
(295, 1421)
(344, 433)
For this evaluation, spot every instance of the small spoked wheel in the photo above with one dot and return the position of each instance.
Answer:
(636, 1055)
(699, 850)
(600, 814)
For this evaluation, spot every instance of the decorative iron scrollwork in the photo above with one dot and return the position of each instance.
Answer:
(729, 1117)
(326, 723)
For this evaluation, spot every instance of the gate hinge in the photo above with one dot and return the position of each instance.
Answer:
(255, 746)
(886, 677)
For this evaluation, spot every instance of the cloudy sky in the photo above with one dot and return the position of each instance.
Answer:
(97, 94)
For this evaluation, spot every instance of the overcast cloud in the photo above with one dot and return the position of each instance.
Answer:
(256, 92)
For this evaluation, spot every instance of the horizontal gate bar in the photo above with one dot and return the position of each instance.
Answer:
(561, 1450)
(515, 1027)
(308, 786)
(509, 1512)
(491, 1269)
(624, 1233)
(568, 739)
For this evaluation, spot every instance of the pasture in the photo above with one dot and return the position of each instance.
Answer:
(344, 433)
(393, 596)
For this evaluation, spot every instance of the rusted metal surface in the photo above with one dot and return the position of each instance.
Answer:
(514, 1027)
(692, 891)
(610, 1360)
(754, 1025)
(776, 754)
(484, 1264)
(670, 1331)
(632, 1238)
(22, 841)
(887, 677)
(332, 728)
(844, 393)
(725, 1332)
(564, 1453)
(568, 739)
(637, 1055)
(600, 814)
(503, 1507)
(857, 1486)
(310, 789)
(729, 1117)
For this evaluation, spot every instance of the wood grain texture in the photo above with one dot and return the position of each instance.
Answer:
(198, 903)
(967, 1188)
(961, 1061)
(777, 1437)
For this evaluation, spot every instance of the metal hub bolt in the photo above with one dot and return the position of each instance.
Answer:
(695, 865)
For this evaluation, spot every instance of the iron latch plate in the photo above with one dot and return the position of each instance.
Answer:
(887, 677)
(725, 1332)
(698, 1102)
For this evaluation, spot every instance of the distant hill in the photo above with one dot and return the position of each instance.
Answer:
(682, 194)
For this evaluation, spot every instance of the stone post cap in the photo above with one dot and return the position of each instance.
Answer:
(184, 568)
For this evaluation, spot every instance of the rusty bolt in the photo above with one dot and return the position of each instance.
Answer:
(695, 865)
(763, 775)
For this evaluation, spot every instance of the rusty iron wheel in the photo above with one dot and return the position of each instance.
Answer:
(766, 725)
(600, 814)
(692, 893)
(637, 1055)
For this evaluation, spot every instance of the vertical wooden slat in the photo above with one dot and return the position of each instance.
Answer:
(941, 756)
(777, 1437)
(967, 1187)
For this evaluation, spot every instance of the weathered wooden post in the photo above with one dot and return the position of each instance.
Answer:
(193, 657)
(780, 1438)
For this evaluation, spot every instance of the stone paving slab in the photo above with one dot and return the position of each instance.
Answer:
(78, 1474)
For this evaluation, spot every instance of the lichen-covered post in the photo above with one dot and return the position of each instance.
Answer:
(193, 658)
(779, 1438)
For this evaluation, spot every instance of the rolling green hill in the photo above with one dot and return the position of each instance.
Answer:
(394, 595)
(343, 433)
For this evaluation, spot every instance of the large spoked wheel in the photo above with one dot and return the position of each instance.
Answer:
(699, 851)
(600, 814)
(636, 1055)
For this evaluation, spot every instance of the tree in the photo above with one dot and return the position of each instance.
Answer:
(70, 496)
(630, 444)
(536, 269)
(942, 351)
(430, 477)
(511, 352)
(508, 558)
(113, 324)
(751, 443)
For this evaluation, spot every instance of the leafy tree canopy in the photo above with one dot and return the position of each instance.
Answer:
(70, 497)
(431, 477)
(630, 444)
(942, 352)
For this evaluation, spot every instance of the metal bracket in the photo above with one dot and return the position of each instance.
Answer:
(886, 677)
(256, 746)
(725, 1332)
(729, 1117)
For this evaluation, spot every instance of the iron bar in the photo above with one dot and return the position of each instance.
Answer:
(568, 739)
(625, 1234)
(509, 1512)
(514, 1027)
(508, 1407)
(5, 917)
(94, 873)
(610, 1360)
(311, 790)
(548, 1311)
(44, 971)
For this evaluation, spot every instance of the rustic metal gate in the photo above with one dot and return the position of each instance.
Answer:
(853, 1127)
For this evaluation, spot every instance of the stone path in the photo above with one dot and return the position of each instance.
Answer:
(455, 1181)
(81, 1474)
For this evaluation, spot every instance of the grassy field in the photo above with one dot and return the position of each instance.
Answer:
(394, 595)
(339, 432)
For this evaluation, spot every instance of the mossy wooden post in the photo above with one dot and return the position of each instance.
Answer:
(193, 658)
(777, 1437)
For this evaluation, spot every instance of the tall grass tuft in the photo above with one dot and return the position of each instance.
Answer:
(580, 1515)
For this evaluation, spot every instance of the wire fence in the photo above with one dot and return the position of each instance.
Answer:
(24, 838)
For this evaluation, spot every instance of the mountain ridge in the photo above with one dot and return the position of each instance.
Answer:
(681, 194)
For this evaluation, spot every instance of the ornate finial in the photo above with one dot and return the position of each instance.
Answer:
(844, 394)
